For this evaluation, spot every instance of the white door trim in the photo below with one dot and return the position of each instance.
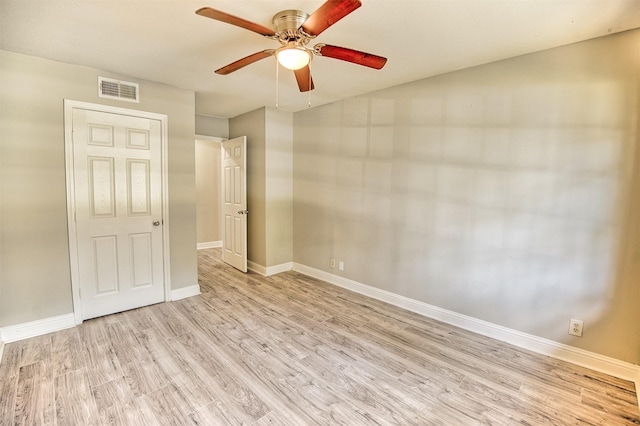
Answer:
(69, 105)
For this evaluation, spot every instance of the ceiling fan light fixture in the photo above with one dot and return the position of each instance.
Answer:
(293, 57)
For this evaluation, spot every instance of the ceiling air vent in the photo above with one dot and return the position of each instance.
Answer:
(116, 89)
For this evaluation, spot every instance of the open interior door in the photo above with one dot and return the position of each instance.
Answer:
(234, 203)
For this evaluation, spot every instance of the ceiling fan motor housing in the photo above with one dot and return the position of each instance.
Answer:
(287, 22)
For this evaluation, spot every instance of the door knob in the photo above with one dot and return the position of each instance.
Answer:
(243, 211)
(156, 223)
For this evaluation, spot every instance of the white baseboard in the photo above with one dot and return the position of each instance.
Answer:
(594, 361)
(257, 268)
(184, 292)
(13, 333)
(270, 270)
(1, 351)
(209, 244)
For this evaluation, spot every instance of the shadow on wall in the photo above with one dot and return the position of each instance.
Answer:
(487, 192)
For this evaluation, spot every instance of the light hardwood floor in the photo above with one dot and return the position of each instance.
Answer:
(291, 350)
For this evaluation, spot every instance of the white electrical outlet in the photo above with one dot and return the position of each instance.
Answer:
(575, 327)
(332, 263)
(341, 265)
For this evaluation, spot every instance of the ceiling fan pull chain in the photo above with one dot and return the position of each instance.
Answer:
(309, 91)
(277, 82)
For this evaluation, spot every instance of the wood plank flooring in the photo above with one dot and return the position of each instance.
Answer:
(291, 350)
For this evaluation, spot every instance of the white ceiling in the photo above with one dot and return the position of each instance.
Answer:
(165, 41)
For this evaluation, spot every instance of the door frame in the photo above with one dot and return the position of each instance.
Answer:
(219, 140)
(69, 106)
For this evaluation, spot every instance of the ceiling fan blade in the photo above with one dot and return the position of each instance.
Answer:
(350, 55)
(303, 77)
(328, 14)
(234, 20)
(248, 60)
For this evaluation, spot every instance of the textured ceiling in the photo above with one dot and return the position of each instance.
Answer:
(165, 41)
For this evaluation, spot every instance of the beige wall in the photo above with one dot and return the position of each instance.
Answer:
(212, 126)
(269, 183)
(279, 186)
(34, 256)
(501, 192)
(208, 201)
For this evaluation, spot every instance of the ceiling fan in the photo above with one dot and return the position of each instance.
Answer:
(294, 29)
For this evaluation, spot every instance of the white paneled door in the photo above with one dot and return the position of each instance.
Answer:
(234, 203)
(117, 187)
